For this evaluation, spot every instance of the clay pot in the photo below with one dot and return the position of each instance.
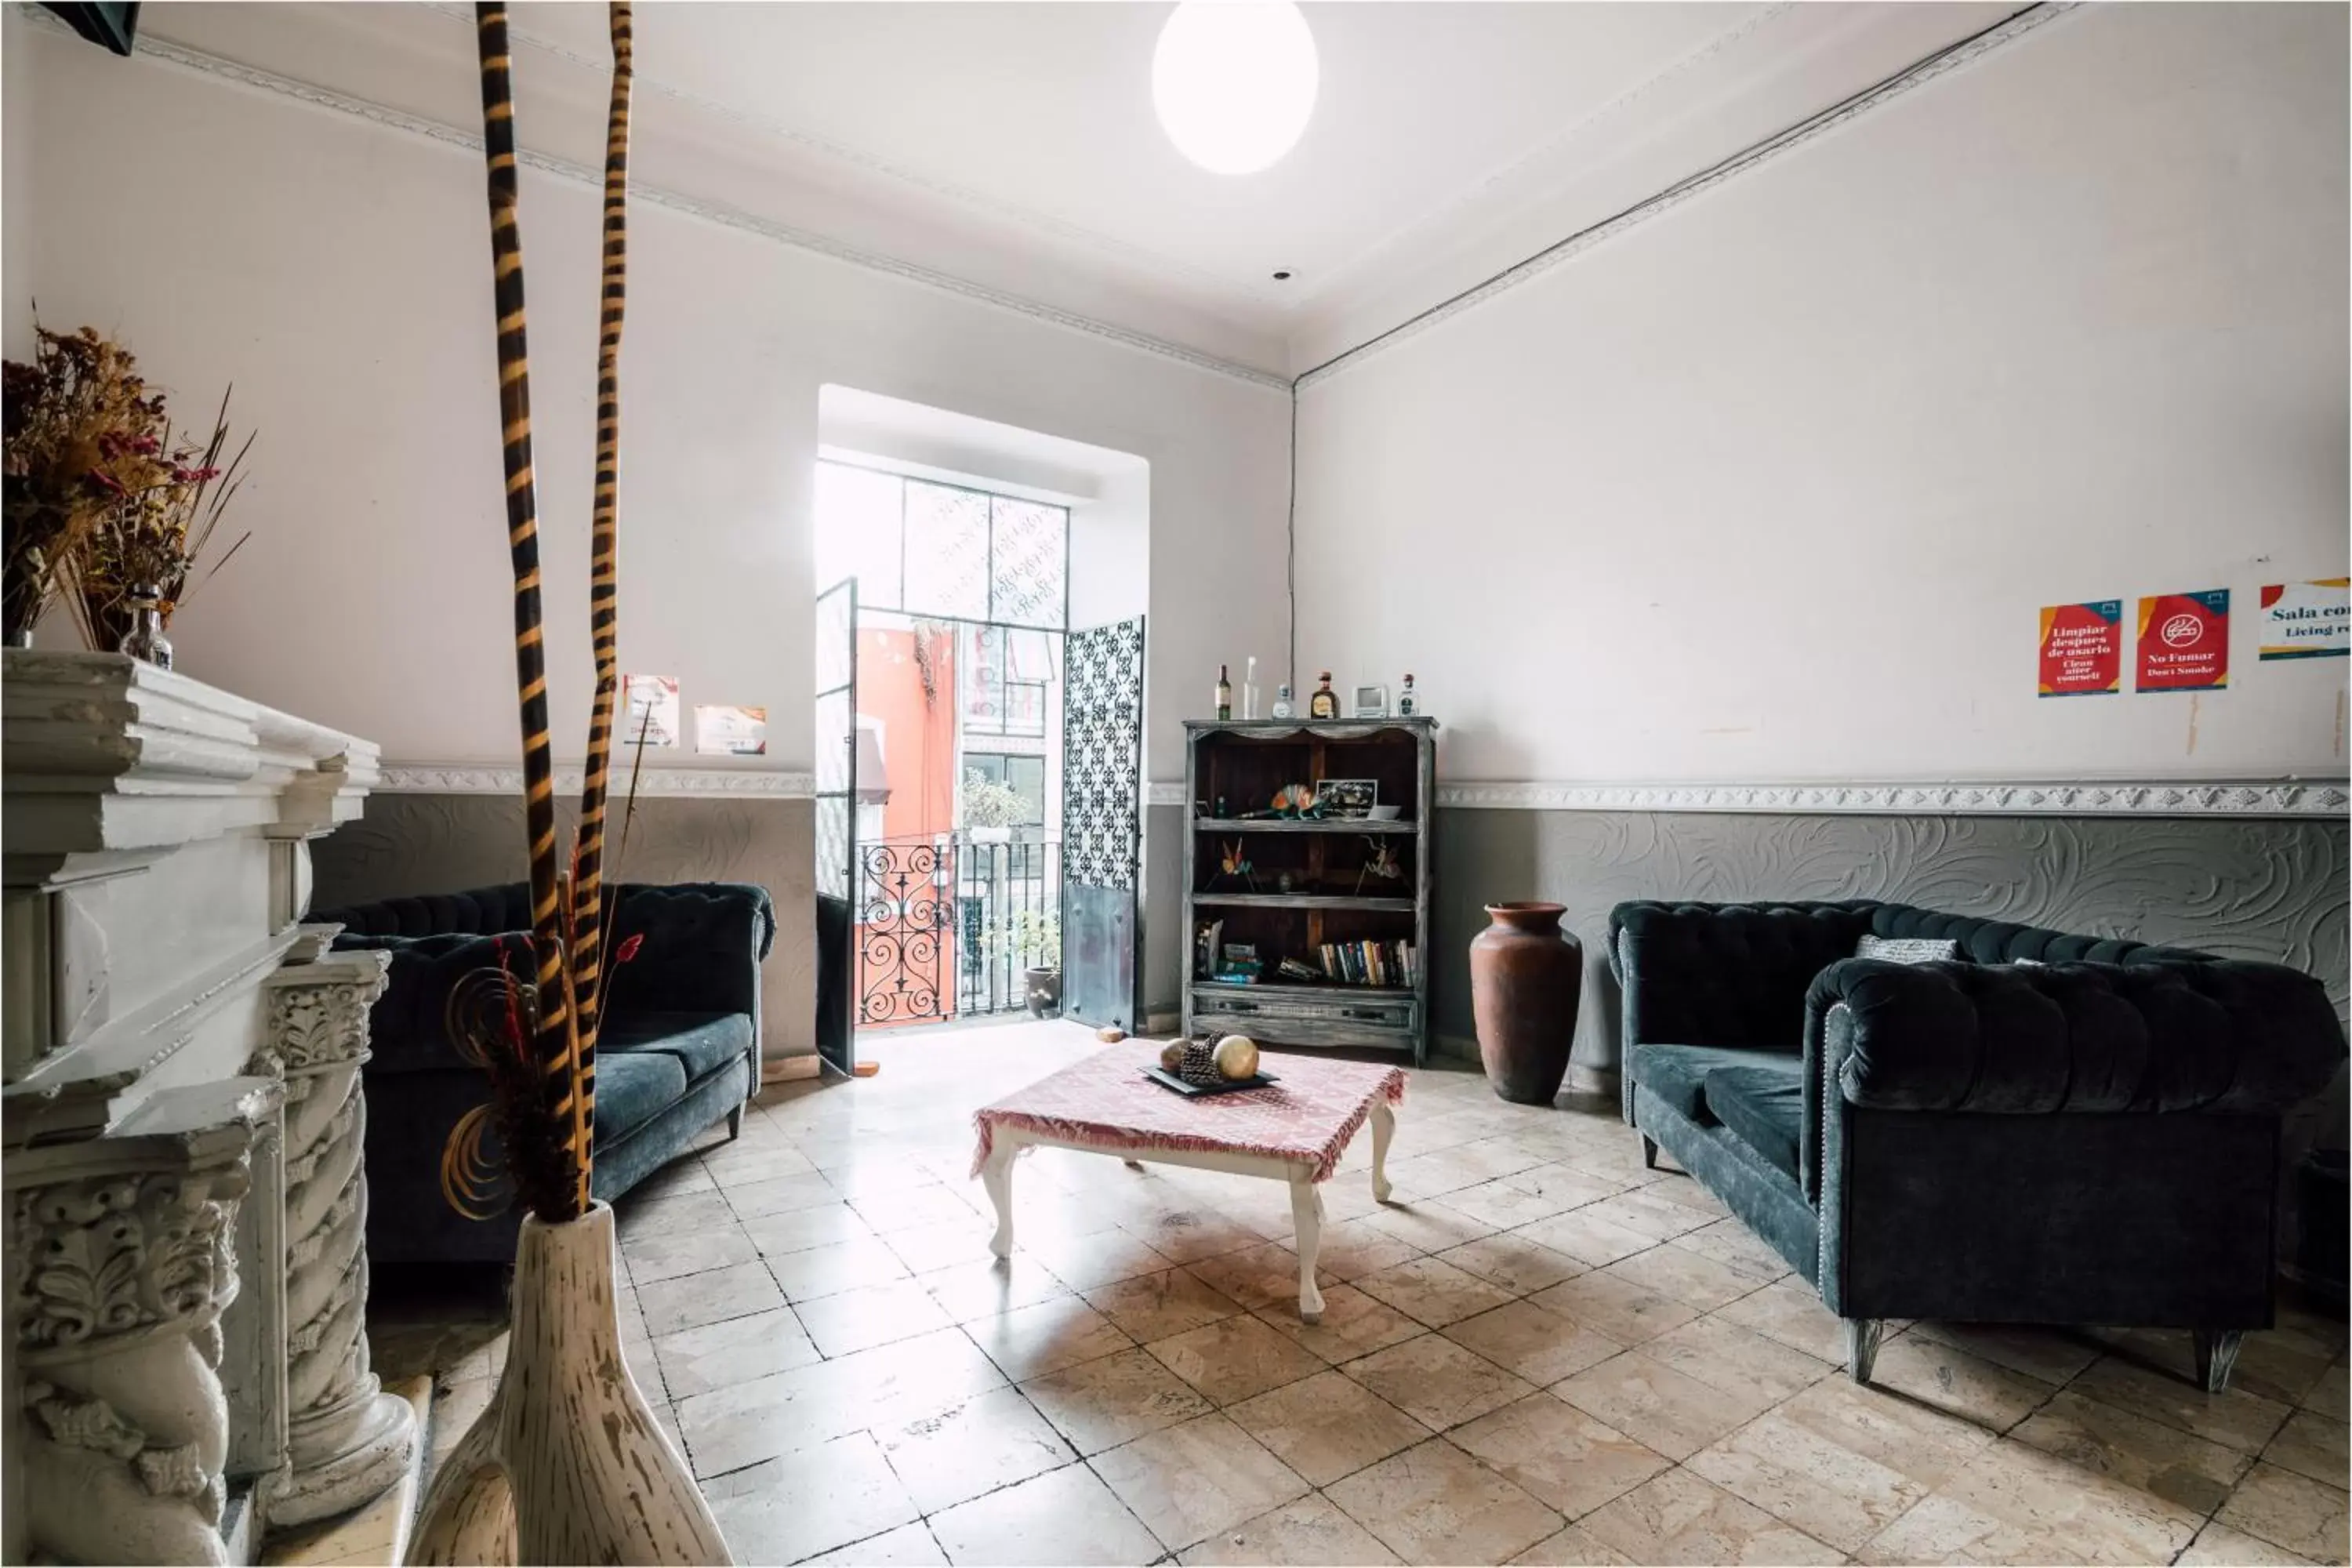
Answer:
(1526, 976)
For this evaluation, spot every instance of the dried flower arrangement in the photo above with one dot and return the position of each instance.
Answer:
(101, 498)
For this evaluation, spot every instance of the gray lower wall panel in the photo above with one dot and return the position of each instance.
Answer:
(408, 843)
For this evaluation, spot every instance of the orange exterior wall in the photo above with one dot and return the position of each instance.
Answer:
(918, 748)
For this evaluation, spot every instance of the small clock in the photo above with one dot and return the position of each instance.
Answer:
(1371, 702)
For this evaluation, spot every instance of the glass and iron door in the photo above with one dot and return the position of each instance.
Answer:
(1102, 823)
(837, 817)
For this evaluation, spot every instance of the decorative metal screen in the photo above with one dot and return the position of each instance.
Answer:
(1102, 823)
(1102, 756)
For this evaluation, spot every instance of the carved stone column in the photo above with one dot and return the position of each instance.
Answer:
(349, 1440)
(121, 1258)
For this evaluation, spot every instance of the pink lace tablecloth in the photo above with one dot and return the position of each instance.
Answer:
(1106, 1103)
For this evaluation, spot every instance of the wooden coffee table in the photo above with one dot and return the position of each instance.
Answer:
(1293, 1131)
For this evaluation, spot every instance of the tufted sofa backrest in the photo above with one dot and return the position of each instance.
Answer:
(2005, 942)
(477, 911)
(1727, 975)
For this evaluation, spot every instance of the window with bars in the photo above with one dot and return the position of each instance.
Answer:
(944, 551)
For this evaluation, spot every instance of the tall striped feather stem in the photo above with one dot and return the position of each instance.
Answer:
(553, 1180)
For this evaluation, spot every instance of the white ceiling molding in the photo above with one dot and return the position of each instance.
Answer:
(1738, 163)
(657, 784)
(2326, 800)
(162, 50)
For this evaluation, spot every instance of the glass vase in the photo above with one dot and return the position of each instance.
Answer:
(145, 639)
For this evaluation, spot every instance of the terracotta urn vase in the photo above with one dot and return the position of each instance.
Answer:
(1526, 976)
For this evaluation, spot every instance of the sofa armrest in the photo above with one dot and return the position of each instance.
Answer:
(1724, 975)
(700, 949)
(2213, 1035)
(408, 1027)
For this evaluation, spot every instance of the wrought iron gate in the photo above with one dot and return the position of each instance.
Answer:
(1102, 822)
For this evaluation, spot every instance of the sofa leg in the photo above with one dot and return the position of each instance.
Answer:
(1649, 1152)
(2217, 1356)
(1862, 1335)
(734, 1124)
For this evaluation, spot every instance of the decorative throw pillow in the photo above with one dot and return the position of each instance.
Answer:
(1907, 948)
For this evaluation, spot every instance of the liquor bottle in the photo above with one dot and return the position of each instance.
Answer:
(1224, 695)
(1325, 704)
(1405, 698)
(1249, 689)
(1283, 707)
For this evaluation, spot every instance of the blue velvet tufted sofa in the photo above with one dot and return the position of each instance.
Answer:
(2048, 1129)
(680, 1048)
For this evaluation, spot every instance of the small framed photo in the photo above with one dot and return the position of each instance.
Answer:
(1371, 702)
(1347, 797)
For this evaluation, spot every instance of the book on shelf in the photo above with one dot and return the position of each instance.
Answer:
(1390, 965)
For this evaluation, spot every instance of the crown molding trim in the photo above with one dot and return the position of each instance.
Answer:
(2250, 799)
(400, 120)
(657, 784)
(1999, 36)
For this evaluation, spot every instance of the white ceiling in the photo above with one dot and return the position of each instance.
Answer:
(1014, 147)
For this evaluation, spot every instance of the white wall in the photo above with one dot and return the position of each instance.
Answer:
(16, 98)
(1773, 486)
(338, 272)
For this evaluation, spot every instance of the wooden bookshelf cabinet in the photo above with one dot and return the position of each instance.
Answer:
(1308, 886)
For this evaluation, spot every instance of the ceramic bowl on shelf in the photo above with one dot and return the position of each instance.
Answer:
(1387, 812)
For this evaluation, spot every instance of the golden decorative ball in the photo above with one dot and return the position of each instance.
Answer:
(1236, 1056)
(1172, 1056)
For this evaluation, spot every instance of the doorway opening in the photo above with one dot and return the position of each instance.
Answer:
(947, 731)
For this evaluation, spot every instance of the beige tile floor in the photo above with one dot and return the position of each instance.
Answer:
(1540, 1353)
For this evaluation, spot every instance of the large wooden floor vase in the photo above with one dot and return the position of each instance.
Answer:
(568, 1464)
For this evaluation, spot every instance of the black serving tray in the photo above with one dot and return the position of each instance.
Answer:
(1167, 1079)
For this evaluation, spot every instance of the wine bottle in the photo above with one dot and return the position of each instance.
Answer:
(1224, 695)
(1325, 704)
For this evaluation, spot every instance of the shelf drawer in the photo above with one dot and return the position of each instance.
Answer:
(1223, 1006)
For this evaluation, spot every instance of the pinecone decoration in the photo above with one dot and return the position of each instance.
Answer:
(1199, 1067)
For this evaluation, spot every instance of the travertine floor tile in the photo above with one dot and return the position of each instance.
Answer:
(1030, 1341)
(1649, 1211)
(1681, 1275)
(984, 1287)
(1514, 1263)
(638, 1221)
(1066, 1517)
(2140, 1453)
(2012, 1503)
(745, 1423)
(696, 1361)
(1654, 1405)
(1954, 1381)
(1235, 1358)
(1614, 1307)
(1255, 1277)
(908, 1546)
(1790, 1311)
(2045, 1354)
(1431, 1292)
(1327, 1426)
(1537, 1345)
(1434, 1503)
(785, 1510)
(1352, 1324)
(1558, 1454)
(830, 1270)
(2235, 1417)
(1680, 1518)
(1588, 1237)
(750, 1200)
(1805, 1478)
(871, 1315)
(1100, 1405)
(1428, 1223)
(1187, 1482)
(1154, 1306)
(1503, 1205)
(1737, 1248)
(2311, 1445)
(990, 1440)
(1309, 1532)
(2328, 1395)
(1437, 1382)
(2219, 1546)
(1573, 1545)
(797, 1230)
(2305, 1516)
(713, 1296)
(1083, 1262)
(1353, 1249)
(1745, 1365)
(903, 1209)
(1915, 1440)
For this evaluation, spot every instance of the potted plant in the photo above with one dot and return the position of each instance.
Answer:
(1034, 938)
(991, 810)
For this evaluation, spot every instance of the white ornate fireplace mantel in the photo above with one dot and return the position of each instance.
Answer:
(183, 1122)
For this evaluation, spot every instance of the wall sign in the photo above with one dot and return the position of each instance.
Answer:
(652, 710)
(2083, 648)
(730, 729)
(2307, 620)
(2184, 641)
